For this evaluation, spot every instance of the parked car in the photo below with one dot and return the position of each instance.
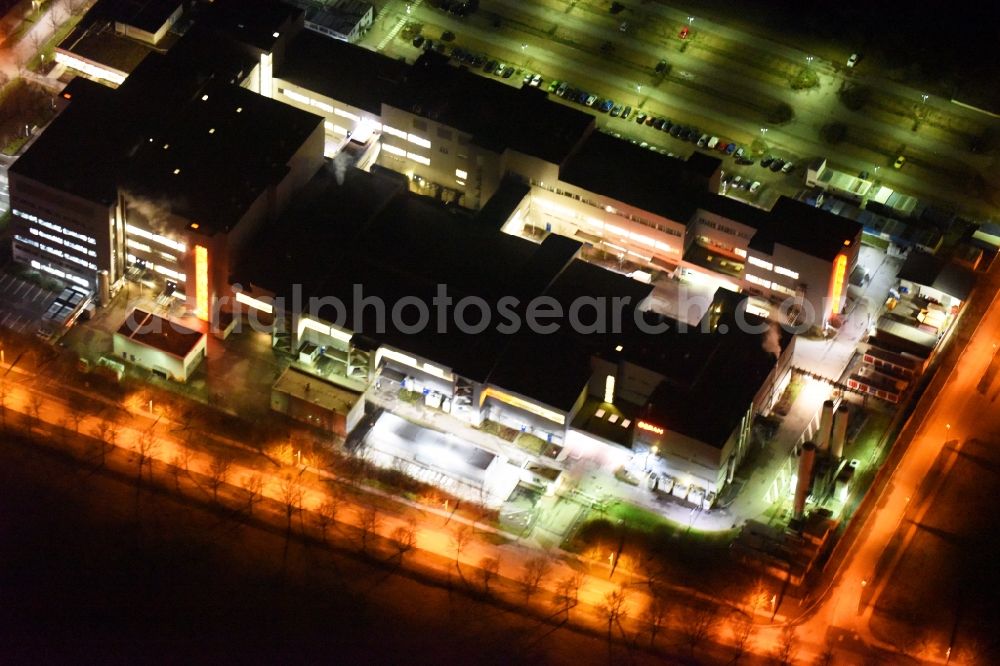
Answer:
(583, 96)
(676, 130)
(685, 31)
(626, 112)
(722, 146)
(703, 140)
(754, 187)
(789, 166)
(900, 161)
(863, 175)
(852, 61)
(640, 118)
(660, 66)
(554, 85)
(616, 111)
(766, 161)
(590, 100)
(650, 120)
(735, 182)
(712, 143)
(606, 105)
(490, 66)
(658, 123)
(666, 125)
(777, 164)
(508, 72)
(746, 185)
(693, 134)
(418, 41)
(744, 160)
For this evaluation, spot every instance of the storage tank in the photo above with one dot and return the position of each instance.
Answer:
(825, 426)
(103, 288)
(839, 436)
(807, 456)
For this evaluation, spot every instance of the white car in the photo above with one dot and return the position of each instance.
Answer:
(852, 61)
(713, 142)
(754, 187)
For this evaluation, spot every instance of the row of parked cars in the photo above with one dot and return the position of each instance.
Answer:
(567, 92)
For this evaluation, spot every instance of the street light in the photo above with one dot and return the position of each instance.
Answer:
(924, 97)
(809, 59)
(763, 131)
(690, 20)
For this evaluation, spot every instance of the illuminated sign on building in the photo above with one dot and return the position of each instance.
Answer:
(837, 288)
(649, 427)
(609, 389)
(201, 282)
(254, 303)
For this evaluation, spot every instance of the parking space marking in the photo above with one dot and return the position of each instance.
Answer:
(20, 287)
(3, 281)
(6, 316)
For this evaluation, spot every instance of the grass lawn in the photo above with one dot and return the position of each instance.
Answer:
(530, 443)
(637, 517)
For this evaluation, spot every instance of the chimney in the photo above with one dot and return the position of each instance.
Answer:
(825, 425)
(806, 458)
(839, 432)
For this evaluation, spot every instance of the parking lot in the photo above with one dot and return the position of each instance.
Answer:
(22, 303)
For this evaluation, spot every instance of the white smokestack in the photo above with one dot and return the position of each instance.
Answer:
(839, 432)
(340, 164)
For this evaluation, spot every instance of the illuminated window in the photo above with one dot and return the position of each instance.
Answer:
(211, 130)
(204, 97)
(419, 159)
(419, 140)
(609, 388)
(276, 34)
(753, 279)
(393, 150)
(354, 117)
(176, 171)
(392, 131)
(461, 174)
(754, 261)
(740, 252)
(254, 303)
(781, 270)
(649, 427)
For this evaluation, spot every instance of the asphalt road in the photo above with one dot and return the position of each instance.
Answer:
(953, 411)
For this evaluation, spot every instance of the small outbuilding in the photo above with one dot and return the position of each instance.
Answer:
(165, 347)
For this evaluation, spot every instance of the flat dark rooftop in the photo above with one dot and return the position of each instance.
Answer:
(163, 334)
(98, 42)
(344, 72)
(217, 152)
(497, 115)
(495, 212)
(811, 230)
(937, 273)
(636, 176)
(148, 15)
(252, 22)
(80, 151)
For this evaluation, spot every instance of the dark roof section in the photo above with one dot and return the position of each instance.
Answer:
(323, 219)
(342, 71)
(791, 223)
(703, 164)
(808, 229)
(944, 276)
(497, 116)
(217, 152)
(148, 15)
(495, 213)
(253, 22)
(663, 185)
(80, 151)
(159, 333)
(712, 377)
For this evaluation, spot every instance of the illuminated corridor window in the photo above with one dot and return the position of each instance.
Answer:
(201, 282)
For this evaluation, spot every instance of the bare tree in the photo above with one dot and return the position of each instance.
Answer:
(146, 447)
(405, 538)
(489, 568)
(253, 486)
(614, 609)
(34, 412)
(655, 616)
(370, 520)
(186, 455)
(568, 593)
(218, 471)
(175, 471)
(460, 538)
(698, 626)
(106, 432)
(76, 417)
(742, 630)
(291, 497)
(535, 570)
(784, 653)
